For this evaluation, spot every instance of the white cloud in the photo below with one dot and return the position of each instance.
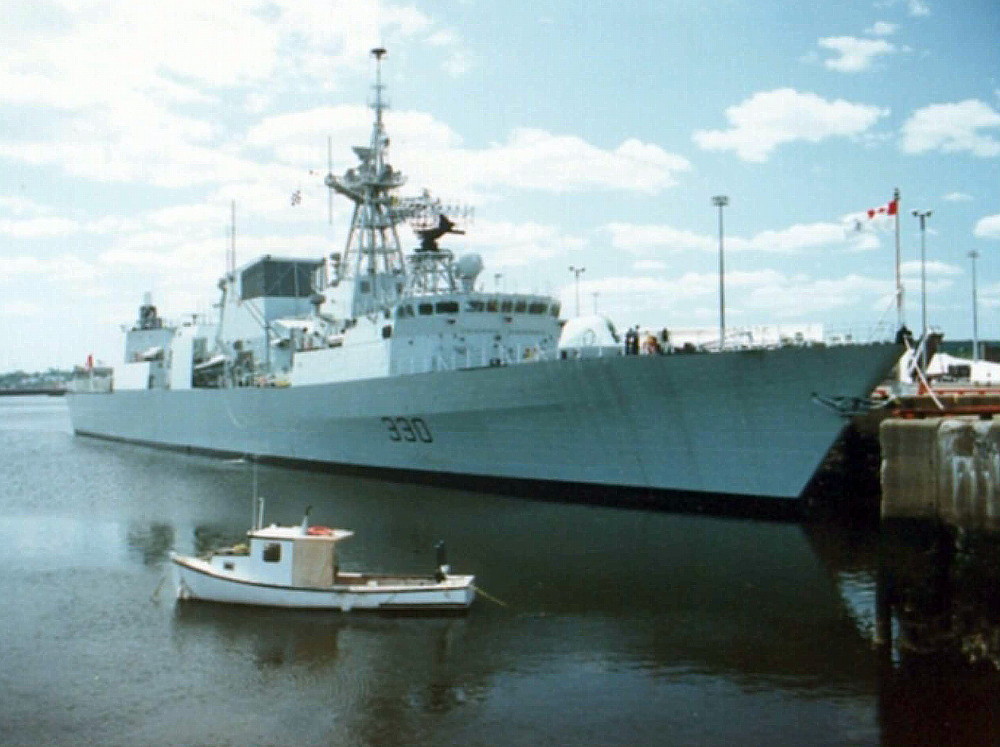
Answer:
(20, 309)
(644, 239)
(64, 268)
(952, 128)
(506, 245)
(134, 84)
(988, 227)
(442, 38)
(933, 268)
(135, 140)
(957, 197)
(768, 293)
(771, 118)
(793, 296)
(300, 138)
(536, 159)
(21, 206)
(798, 237)
(882, 28)
(31, 228)
(640, 239)
(856, 55)
(649, 265)
(918, 8)
(458, 64)
(96, 52)
(433, 153)
(188, 216)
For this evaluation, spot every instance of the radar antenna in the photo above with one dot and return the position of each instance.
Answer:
(429, 236)
(430, 219)
(372, 249)
(373, 255)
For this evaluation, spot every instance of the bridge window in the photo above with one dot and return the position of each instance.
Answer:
(520, 307)
(506, 306)
(277, 278)
(272, 552)
(493, 305)
(537, 308)
(447, 307)
(475, 306)
(426, 309)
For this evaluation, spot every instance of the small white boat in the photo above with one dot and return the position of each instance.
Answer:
(296, 566)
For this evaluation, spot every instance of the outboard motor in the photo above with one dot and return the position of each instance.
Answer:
(443, 569)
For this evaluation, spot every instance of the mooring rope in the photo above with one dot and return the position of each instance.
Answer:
(492, 598)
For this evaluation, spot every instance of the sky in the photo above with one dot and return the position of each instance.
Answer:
(588, 135)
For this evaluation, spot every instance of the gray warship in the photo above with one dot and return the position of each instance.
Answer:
(399, 364)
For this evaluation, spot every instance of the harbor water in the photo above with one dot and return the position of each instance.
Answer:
(611, 626)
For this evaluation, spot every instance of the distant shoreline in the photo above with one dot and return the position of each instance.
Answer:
(52, 392)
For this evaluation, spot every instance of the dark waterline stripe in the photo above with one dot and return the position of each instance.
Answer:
(734, 505)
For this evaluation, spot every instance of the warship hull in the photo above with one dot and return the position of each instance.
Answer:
(737, 424)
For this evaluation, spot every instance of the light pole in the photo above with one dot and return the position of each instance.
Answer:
(974, 255)
(577, 271)
(720, 201)
(923, 216)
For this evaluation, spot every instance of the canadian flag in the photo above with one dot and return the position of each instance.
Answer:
(891, 209)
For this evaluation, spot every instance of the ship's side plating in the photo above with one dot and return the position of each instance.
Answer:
(742, 423)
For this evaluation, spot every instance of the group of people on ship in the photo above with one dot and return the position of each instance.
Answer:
(646, 343)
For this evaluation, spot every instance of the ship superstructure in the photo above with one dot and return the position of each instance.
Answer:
(365, 313)
(378, 359)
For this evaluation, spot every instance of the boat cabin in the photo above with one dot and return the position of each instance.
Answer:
(298, 556)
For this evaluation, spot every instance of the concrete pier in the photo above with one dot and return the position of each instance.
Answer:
(945, 468)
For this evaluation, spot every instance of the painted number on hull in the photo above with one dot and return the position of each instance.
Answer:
(408, 429)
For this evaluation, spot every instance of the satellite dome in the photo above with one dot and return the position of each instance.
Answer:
(467, 269)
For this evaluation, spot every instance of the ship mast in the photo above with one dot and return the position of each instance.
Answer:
(373, 257)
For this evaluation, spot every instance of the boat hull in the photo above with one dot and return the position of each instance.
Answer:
(740, 423)
(195, 579)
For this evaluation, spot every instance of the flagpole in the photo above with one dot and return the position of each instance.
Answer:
(899, 279)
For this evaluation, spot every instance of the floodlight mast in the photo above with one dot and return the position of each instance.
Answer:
(974, 255)
(720, 201)
(922, 216)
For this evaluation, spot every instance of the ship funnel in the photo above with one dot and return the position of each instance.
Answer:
(467, 269)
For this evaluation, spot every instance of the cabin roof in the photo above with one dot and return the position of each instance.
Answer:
(297, 532)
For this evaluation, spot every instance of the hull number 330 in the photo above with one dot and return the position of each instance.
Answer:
(407, 429)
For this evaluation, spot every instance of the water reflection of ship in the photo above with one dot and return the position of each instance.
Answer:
(738, 599)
